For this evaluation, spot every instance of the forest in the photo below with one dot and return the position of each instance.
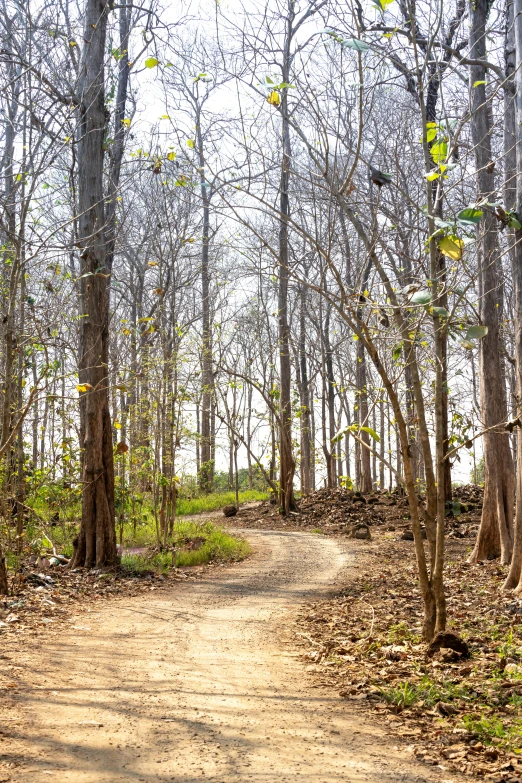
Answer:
(267, 256)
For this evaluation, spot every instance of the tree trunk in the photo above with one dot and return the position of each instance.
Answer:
(362, 401)
(286, 459)
(495, 533)
(305, 398)
(96, 543)
(513, 197)
(4, 588)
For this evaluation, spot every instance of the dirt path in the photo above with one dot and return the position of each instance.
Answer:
(194, 684)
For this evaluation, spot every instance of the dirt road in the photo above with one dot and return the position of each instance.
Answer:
(196, 684)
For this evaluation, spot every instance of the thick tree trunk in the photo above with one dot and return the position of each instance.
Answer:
(96, 543)
(495, 533)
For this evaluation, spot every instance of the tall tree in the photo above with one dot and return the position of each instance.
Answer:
(96, 543)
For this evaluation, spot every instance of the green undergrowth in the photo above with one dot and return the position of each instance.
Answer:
(198, 505)
(52, 525)
(427, 691)
(192, 544)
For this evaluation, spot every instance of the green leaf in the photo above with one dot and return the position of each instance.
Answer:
(396, 352)
(370, 432)
(467, 344)
(421, 298)
(470, 216)
(355, 44)
(440, 311)
(514, 222)
(476, 332)
(151, 62)
(452, 247)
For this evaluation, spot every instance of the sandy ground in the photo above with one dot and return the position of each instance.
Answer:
(199, 682)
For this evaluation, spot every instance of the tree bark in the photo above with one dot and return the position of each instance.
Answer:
(513, 197)
(96, 543)
(495, 533)
(286, 458)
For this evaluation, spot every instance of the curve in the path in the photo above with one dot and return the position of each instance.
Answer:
(194, 684)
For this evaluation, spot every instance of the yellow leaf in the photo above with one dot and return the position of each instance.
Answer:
(152, 263)
(274, 98)
(165, 117)
(190, 143)
(126, 331)
(439, 151)
(83, 387)
(452, 247)
(117, 425)
(432, 175)
(171, 156)
(144, 320)
(126, 122)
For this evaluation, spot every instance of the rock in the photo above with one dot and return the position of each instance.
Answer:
(363, 533)
(444, 709)
(448, 640)
(230, 511)
(408, 535)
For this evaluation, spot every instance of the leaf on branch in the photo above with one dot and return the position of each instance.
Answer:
(421, 298)
(83, 387)
(467, 344)
(440, 311)
(439, 151)
(356, 44)
(476, 332)
(274, 98)
(151, 62)
(452, 247)
(470, 216)
(371, 432)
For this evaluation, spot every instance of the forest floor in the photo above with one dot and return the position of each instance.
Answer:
(461, 715)
(197, 681)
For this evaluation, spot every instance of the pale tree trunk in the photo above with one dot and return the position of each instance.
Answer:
(362, 401)
(206, 470)
(305, 397)
(96, 543)
(513, 197)
(495, 533)
(286, 458)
